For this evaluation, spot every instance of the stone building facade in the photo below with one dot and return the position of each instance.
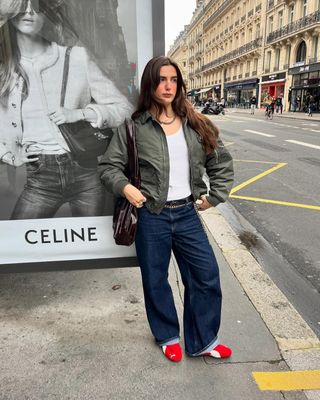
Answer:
(263, 48)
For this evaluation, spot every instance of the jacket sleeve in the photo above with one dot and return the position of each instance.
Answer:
(113, 164)
(219, 168)
(111, 106)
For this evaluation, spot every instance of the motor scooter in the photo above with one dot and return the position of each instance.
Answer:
(215, 109)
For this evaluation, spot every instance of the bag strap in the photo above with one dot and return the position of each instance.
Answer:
(133, 162)
(65, 76)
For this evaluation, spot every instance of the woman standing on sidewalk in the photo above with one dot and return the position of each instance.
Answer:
(30, 113)
(176, 145)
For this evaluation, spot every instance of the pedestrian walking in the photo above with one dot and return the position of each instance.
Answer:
(279, 105)
(176, 145)
(253, 103)
(30, 111)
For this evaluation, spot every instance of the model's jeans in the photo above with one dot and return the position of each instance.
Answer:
(57, 179)
(180, 230)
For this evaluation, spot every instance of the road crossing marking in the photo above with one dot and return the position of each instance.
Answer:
(289, 380)
(268, 201)
(259, 133)
(255, 178)
(313, 146)
(277, 202)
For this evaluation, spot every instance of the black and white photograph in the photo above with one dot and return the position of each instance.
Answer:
(68, 78)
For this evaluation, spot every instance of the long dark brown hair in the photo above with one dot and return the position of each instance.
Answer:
(180, 105)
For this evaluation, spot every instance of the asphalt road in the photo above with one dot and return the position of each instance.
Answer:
(275, 203)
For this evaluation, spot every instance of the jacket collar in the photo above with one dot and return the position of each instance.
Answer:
(146, 116)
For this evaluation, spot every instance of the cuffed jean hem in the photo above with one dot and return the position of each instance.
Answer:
(206, 349)
(169, 341)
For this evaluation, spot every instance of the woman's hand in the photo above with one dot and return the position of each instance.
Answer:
(65, 115)
(24, 156)
(133, 195)
(203, 203)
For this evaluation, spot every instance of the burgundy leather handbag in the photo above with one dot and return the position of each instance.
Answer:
(125, 217)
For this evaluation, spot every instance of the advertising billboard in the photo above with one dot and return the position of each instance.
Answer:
(63, 63)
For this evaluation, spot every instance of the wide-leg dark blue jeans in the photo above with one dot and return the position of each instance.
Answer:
(179, 230)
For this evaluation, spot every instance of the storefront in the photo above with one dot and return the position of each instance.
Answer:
(216, 92)
(305, 86)
(238, 94)
(272, 86)
(205, 93)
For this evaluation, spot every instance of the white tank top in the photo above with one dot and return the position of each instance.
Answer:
(179, 175)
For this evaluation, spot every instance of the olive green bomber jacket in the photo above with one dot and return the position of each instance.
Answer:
(154, 164)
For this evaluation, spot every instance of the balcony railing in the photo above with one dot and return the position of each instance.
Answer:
(254, 73)
(294, 26)
(234, 54)
(258, 7)
(250, 13)
(247, 74)
(217, 13)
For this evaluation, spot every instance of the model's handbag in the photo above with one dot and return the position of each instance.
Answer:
(125, 217)
(83, 140)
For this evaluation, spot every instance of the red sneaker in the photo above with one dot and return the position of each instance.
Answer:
(219, 351)
(173, 352)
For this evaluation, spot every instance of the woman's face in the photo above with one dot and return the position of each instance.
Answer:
(30, 22)
(167, 88)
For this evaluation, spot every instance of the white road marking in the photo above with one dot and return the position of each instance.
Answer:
(313, 146)
(259, 133)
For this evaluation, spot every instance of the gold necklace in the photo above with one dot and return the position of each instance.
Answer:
(168, 122)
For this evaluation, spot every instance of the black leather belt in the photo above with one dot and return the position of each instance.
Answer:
(179, 202)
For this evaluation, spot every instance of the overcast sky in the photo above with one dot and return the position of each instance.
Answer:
(178, 13)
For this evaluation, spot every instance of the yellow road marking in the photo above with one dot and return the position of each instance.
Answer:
(255, 161)
(281, 203)
(255, 178)
(290, 380)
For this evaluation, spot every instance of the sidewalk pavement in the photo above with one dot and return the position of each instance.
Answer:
(286, 114)
(83, 335)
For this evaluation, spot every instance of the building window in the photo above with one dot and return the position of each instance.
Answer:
(277, 60)
(315, 48)
(258, 30)
(304, 7)
(280, 19)
(301, 52)
(270, 25)
(291, 14)
(288, 56)
(268, 61)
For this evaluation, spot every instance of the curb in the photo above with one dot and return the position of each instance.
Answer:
(286, 116)
(289, 329)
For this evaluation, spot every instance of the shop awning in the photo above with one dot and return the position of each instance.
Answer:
(192, 92)
(204, 90)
